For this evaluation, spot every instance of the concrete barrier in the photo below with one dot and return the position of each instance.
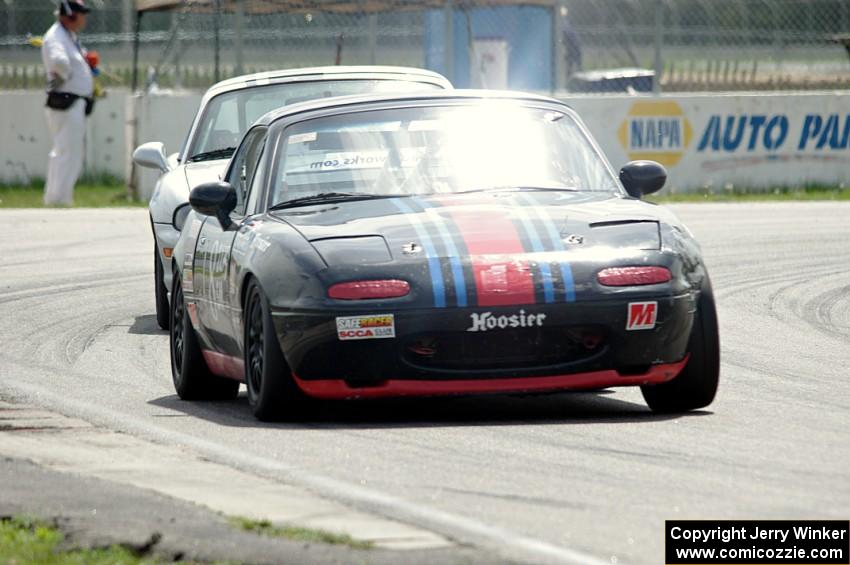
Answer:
(161, 117)
(716, 141)
(25, 141)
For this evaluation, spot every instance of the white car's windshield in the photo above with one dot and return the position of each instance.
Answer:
(427, 150)
(228, 116)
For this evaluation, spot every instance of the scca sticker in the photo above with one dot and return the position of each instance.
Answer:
(642, 315)
(378, 326)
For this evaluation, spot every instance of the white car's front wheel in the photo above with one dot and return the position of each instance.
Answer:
(160, 291)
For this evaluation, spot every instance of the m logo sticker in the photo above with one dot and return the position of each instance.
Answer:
(642, 315)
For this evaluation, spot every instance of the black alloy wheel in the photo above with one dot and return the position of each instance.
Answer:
(255, 346)
(192, 378)
(272, 392)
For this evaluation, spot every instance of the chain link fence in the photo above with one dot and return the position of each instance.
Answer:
(720, 44)
(694, 45)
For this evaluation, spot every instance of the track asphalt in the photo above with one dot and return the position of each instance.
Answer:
(561, 478)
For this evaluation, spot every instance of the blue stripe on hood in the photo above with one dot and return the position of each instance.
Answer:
(454, 256)
(430, 252)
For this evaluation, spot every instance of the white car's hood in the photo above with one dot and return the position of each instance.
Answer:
(205, 171)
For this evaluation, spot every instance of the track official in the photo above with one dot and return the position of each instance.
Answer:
(70, 97)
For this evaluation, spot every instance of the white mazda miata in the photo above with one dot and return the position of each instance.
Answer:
(226, 112)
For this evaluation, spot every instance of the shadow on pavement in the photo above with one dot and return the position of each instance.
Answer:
(571, 408)
(146, 325)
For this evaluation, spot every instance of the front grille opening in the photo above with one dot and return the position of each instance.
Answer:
(633, 370)
(528, 348)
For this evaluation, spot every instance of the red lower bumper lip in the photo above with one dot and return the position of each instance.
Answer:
(337, 389)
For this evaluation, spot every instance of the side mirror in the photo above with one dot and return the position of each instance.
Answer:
(216, 199)
(152, 156)
(643, 177)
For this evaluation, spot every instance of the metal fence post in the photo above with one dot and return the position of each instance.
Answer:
(217, 26)
(559, 54)
(240, 36)
(775, 20)
(13, 25)
(659, 40)
(448, 48)
(136, 52)
(127, 17)
(131, 138)
(373, 38)
(845, 15)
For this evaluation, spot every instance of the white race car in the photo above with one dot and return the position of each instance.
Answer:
(226, 112)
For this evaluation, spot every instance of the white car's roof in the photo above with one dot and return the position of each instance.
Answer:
(325, 73)
(352, 72)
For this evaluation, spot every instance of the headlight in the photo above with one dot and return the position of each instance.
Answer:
(627, 234)
(179, 217)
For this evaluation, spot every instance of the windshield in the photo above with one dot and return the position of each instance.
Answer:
(228, 116)
(427, 150)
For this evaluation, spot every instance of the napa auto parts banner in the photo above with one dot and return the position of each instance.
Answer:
(722, 141)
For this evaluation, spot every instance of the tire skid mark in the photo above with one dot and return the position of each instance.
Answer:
(62, 338)
(50, 290)
(728, 288)
(805, 386)
(812, 305)
(99, 256)
(826, 307)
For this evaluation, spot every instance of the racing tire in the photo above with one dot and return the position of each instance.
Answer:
(192, 378)
(696, 385)
(163, 312)
(272, 393)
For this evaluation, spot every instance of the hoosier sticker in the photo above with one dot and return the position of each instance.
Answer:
(377, 326)
(486, 321)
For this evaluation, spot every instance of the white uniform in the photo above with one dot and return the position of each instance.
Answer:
(67, 71)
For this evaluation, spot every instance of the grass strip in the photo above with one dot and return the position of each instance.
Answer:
(785, 194)
(105, 191)
(99, 191)
(25, 541)
(295, 533)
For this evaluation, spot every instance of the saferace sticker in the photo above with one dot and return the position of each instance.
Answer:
(642, 315)
(377, 326)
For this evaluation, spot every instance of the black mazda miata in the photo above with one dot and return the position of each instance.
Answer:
(431, 244)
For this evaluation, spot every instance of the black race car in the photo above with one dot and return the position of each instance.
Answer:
(430, 244)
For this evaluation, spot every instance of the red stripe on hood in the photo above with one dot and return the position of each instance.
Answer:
(501, 279)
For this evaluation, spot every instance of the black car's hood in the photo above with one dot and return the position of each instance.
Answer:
(486, 249)
(505, 222)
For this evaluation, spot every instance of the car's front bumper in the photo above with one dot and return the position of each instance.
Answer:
(338, 389)
(580, 345)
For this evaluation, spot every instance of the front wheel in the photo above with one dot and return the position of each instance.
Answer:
(192, 378)
(272, 393)
(696, 385)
